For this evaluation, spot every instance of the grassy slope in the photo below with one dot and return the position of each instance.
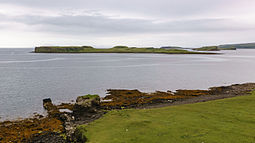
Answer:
(112, 50)
(229, 120)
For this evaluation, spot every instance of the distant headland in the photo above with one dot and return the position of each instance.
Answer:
(126, 49)
(116, 49)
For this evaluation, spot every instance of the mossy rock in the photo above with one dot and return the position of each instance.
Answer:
(86, 104)
(90, 96)
(88, 101)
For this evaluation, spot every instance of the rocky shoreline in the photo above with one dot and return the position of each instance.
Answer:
(59, 126)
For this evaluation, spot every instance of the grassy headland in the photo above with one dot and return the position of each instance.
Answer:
(214, 48)
(116, 49)
(227, 120)
(207, 48)
(239, 46)
(228, 48)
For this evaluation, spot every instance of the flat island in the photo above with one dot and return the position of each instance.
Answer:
(116, 49)
(214, 48)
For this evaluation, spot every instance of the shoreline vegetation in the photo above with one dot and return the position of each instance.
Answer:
(121, 116)
(116, 49)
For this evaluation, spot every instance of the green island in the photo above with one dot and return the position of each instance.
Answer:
(214, 48)
(116, 49)
(227, 121)
(239, 46)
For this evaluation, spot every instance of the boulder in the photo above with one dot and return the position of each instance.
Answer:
(88, 101)
(51, 109)
(86, 105)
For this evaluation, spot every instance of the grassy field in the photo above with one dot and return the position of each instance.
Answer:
(229, 120)
(117, 49)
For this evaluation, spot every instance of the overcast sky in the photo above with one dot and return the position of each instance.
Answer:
(105, 23)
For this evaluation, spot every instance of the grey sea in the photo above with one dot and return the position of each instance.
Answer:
(26, 78)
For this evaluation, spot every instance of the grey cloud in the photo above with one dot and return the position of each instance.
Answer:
(144, 7)
(85, 24)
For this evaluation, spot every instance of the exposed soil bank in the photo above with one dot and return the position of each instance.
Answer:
(60, 126)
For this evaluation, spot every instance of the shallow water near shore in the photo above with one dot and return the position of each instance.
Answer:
(27, 78)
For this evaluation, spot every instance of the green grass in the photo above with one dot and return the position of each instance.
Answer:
(229, 120)
(116, 49)
(89, 96)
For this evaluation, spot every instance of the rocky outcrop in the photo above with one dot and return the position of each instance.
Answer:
(51, 109)
(85, 110)
(27, 129)
(118, 99)
(86, 106)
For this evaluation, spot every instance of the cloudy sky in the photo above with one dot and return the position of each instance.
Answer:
(105, 23)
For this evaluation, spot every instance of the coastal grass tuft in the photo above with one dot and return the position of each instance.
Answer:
(230, 120)
(89, 96)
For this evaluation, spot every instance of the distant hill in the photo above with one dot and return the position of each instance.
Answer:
(116, 49)
(207, 48)
(214, 48)
(239, 46)
(170, 47)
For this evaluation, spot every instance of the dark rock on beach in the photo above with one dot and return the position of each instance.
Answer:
(50, 137)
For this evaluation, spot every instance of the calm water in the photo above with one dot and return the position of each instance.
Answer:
(26, 78)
